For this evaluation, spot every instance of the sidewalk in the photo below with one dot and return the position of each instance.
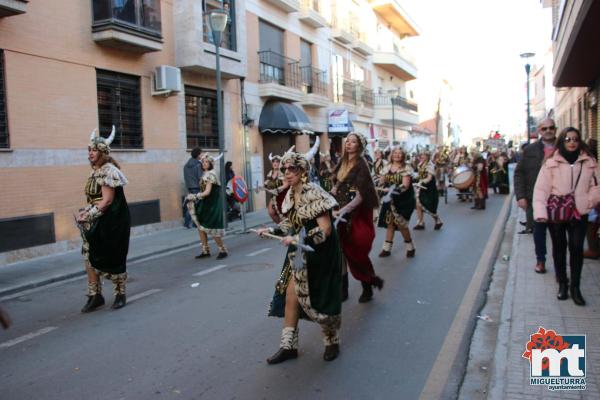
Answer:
(45, 270)
(527, 301)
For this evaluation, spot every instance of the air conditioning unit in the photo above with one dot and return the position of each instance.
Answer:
(167, 80)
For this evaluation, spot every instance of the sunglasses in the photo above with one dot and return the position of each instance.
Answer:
(291, 168)
(548, 128)
(571, 139)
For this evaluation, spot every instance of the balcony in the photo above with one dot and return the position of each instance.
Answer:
(396, 63)
(315, 87)
(404, 112)
(575, 36)
(310, 15)
(280, 77)
(391, 12)
(132, 25)
(195, 51)
(361, 47)
(340, 29)
(289, 6)
(357, 98)
(12, 7)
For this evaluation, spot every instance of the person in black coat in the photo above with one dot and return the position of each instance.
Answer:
(526, 173)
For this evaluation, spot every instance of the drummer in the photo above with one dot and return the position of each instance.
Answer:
(462, 159)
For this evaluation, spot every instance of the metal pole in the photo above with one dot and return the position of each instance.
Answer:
(393, 124)
(217, 40)
(527, 69)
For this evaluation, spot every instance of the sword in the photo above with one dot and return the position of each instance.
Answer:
(388, 196)
(302, 246)
(338, 219)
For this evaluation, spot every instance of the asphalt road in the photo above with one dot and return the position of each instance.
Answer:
(197, 329)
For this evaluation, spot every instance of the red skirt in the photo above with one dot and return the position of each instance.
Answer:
(356, 240)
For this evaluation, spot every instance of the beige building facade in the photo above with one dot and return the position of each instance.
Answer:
(576, 69)
(148, 67)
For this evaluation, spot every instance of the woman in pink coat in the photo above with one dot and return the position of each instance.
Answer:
(570, 169)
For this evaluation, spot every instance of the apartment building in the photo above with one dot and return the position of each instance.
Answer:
(334, 65)
(576, 70)
(70, 66)
(291, 71)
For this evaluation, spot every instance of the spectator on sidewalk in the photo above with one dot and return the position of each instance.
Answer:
(526, 173)
(569, 171)
(191, 175)
(4, 319)
(593, 251)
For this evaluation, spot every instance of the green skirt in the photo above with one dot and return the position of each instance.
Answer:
(429, 197)
(209, 212)
(108, 238)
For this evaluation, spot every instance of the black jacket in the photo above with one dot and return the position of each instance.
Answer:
(528, 169)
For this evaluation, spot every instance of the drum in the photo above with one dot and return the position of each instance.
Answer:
(462, 177)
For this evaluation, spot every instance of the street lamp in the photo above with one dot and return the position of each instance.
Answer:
(218, 22)
(526, 57)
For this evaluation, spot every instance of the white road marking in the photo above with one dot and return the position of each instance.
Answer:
(160, 255)
(28, 336)
(213, 269)
(257, 252)
(143, 294)
(195, 284)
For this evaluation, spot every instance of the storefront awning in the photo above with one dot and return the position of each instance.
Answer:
(278, 117)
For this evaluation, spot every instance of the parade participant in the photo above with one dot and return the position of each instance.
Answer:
(209, 210)
(491, 161)
(276, 186)
(427, 193)
(462, 158)
(310, 281)
(500, 174)
(395, 214)
(379, 162)
(325, 172)
(440, 161)
(355, 192)
(105, 225)
(568, 176)
(480, 184)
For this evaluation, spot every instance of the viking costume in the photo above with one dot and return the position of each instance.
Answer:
(427, 195)
(208, 211)
(500, 175)
(276, 189)
(325, 173)
(105, 233)
(355, 192)
(397, 211)
(316, 274)
(480, 184)
(441, 161)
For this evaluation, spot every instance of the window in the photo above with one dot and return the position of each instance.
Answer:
(228, 36)
(137, 15)
(4, 144)
(201, 118)
(119, 104)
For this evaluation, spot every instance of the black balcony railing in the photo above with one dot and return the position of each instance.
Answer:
(354, 92)
(279, 69)
(137, 15)
(314, 80)
(386, 100)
